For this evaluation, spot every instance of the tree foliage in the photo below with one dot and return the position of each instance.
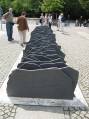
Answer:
(85, 5)
(20, 5)
(5, 4)
(73, 7)
(52, 5)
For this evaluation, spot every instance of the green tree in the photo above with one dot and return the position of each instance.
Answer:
(35, 5)
(85, 5)
(72, 7)
(75, 8)
(20, 5)
(52, 5)
(5, 4)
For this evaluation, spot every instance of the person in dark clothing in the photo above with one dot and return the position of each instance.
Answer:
(80, 21)
(68, 20)
(41, 19)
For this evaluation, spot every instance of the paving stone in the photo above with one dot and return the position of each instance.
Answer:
(10, 118)
(39, 113)
(14, 110)
(1, 112)
(12, 114)
(1, 117)
(87, 115)
(6, 111)
(5, 116)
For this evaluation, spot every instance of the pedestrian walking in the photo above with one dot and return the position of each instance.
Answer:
(60, 22)
(80, 21)
(50, 20)
(22, 28)
(68, 20)
(76, 22)
(41, 19)
(46, 20)
(9, 24)
(1, 14)
(85, 23)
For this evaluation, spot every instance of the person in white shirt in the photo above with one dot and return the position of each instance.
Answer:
(50, 20)
(46, 20)
(60, 22)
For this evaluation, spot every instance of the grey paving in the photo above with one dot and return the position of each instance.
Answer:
(75, 44)
(76, 49)
(7, 111)
(8, 55)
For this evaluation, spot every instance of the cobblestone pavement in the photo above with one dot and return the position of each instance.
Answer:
(8, 54)
(75, 45)
(7, 111)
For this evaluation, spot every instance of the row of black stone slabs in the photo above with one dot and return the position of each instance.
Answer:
(42, 51)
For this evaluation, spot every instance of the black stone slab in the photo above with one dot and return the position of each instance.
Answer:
(42, 72)
(48, 83)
